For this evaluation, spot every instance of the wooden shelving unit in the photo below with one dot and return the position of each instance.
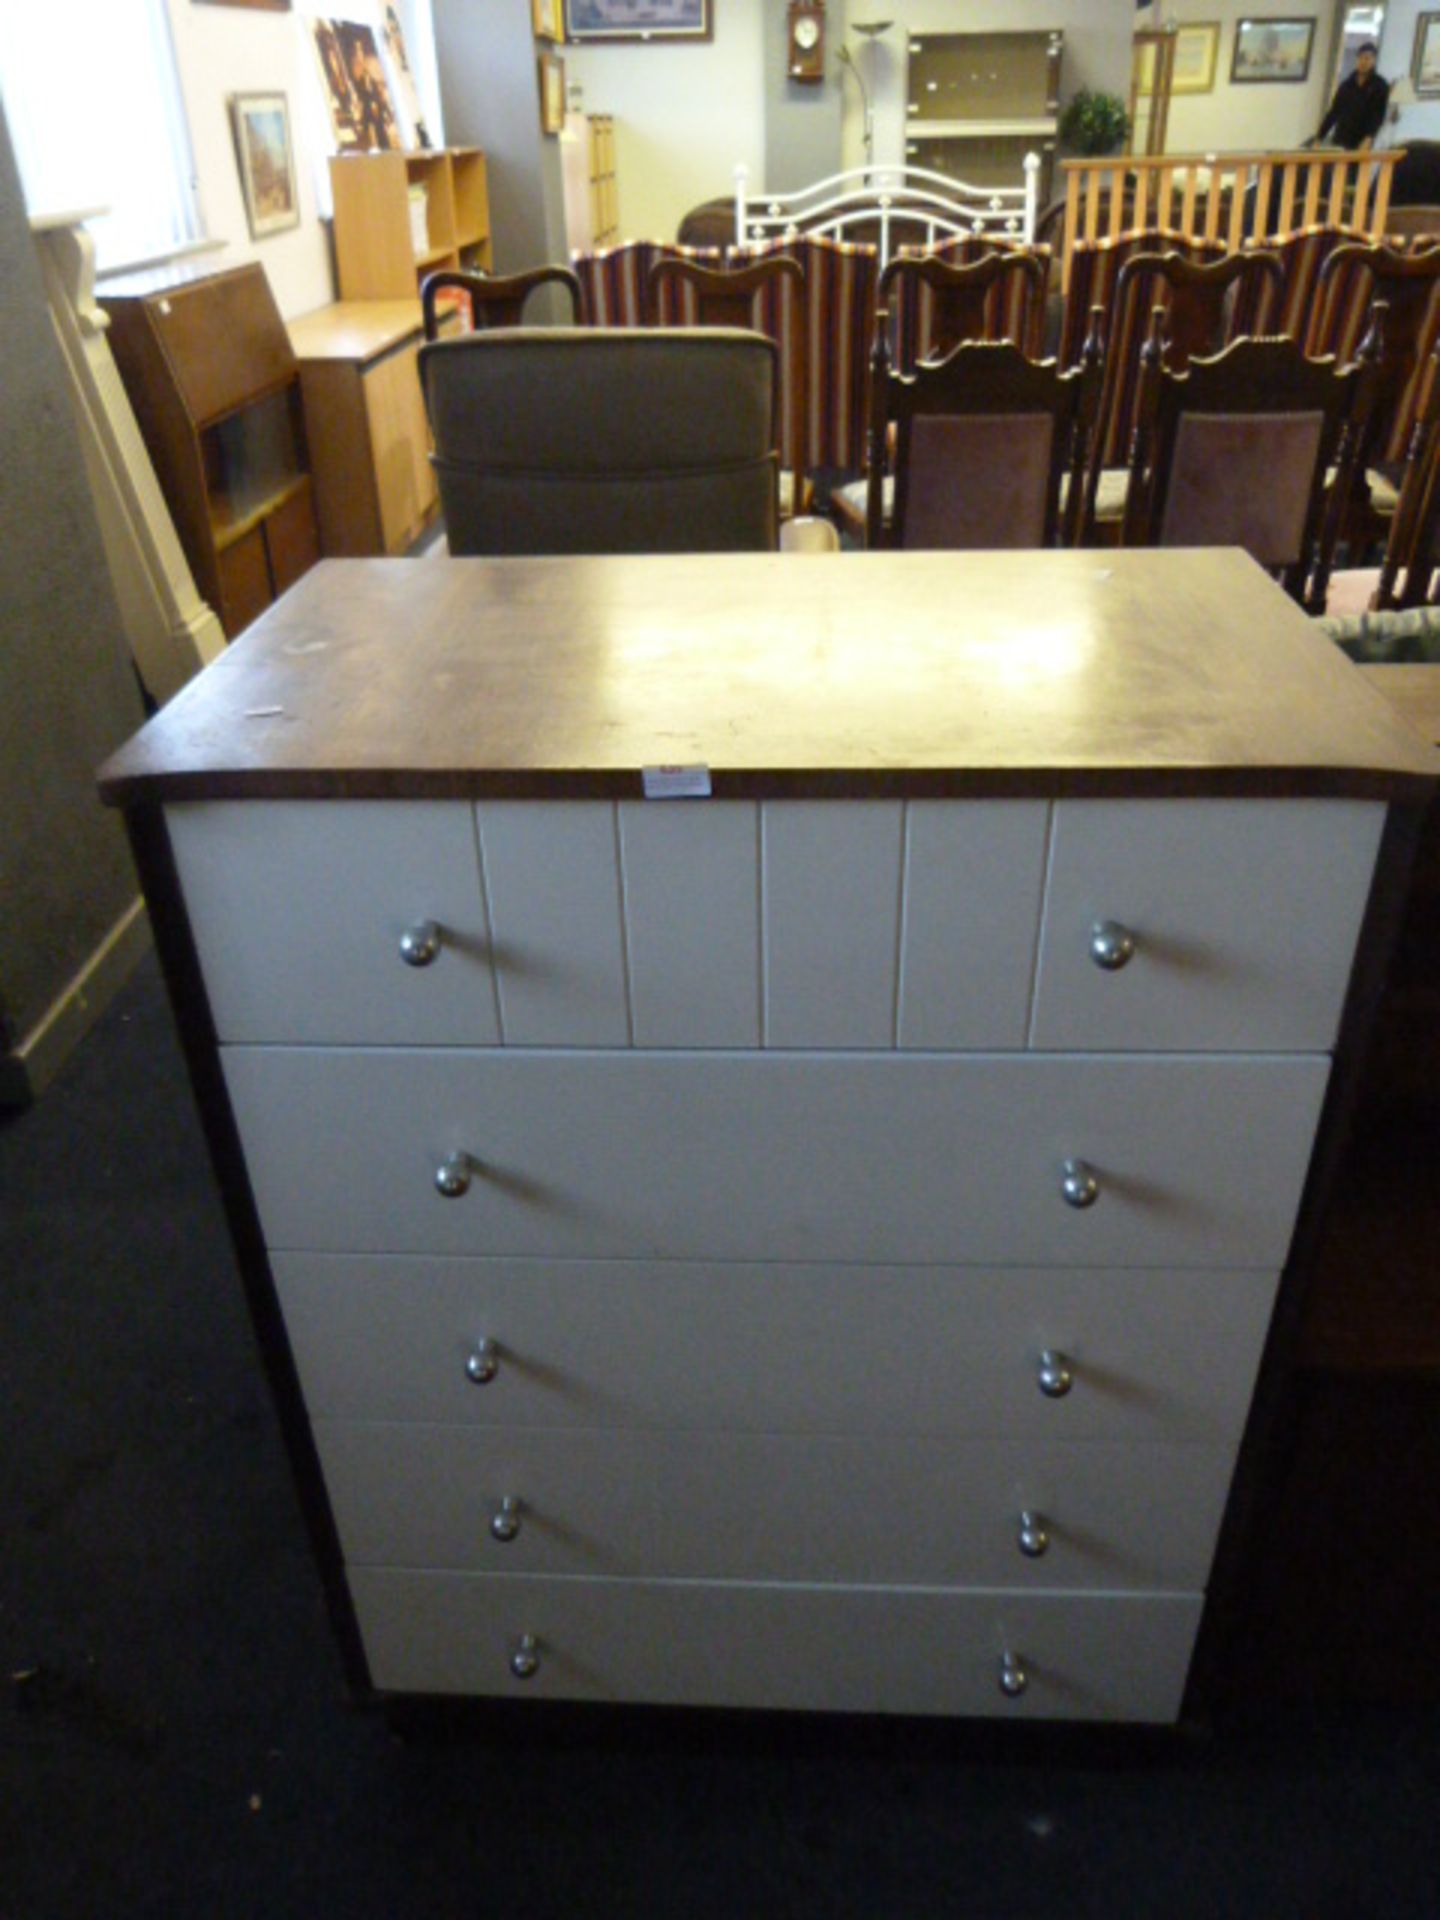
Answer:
(208, 368)
(977, 103)
(592, 200)
(379, 252)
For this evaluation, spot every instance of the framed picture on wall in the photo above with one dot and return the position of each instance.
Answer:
(546, 21)
(261, 123)
(552, 94)
(1273, 50)
(1197, 53)
(259, 6)
(1425, 68)
(637, 19)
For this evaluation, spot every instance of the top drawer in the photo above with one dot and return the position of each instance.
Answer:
(812, 925)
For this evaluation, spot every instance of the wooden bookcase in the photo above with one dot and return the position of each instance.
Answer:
(376, 252)
(587, 166)
(209, 371)
(604, 198)
(977, 103)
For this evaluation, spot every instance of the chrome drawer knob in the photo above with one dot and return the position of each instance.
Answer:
(1054, 1375)
(1111, 945)
(525, 1660)
(1079, 1184)
(483, 1363)
(505, 1521)
(1014, 1678)
(1032, 1538)
(420, 944)
(452, 1176)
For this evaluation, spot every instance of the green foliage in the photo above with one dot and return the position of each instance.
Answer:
(1094, 123)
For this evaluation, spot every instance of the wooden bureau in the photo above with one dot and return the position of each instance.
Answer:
(811, 1245)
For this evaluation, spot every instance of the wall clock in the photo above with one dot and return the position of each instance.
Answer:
(805, 26)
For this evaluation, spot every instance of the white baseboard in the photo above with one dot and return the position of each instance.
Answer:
(27, 1069)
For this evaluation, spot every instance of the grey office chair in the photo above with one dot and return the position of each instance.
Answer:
(601, 440)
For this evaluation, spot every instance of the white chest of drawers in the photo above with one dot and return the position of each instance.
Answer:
(810, 1246)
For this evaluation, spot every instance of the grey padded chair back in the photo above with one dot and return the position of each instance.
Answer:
(604, 440)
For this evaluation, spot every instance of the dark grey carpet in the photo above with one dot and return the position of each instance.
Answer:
(176, 1741)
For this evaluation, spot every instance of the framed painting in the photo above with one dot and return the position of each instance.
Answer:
(266, 158)
(257, 6)
(546, 20)
(1267, 50)
(638, 20)
(1425, 68)
(552, 94)
(1197, 53)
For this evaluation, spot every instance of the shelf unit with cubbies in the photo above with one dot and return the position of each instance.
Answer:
(399, 216)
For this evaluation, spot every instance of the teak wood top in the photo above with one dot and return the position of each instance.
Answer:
(1414, 689)
(358, 330)
(1050, 673)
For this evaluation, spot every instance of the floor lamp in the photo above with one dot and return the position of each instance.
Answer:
(870, 31)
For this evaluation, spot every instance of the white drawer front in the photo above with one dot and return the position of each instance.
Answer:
(914, 1158)
(692, 923)
(841, 1510)
(552, 878)
(973, 878)
(1245, 916)
(868, 1649)
(832, 923)
(788, 925)
(1155, 1355)
(298, 909)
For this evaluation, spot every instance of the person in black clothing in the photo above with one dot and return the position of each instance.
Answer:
(1357, 112)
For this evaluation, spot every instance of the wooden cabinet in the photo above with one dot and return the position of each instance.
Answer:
(810, 1245)
(977, 103)
(592, 200)
(375, 489)
(210, 373)
(399, 216)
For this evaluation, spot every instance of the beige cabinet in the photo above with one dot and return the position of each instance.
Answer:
(375, 489)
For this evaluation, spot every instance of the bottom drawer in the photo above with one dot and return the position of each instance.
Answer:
(856, 1649)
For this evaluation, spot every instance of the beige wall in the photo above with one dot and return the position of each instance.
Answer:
(685, 114)
(1261, 116)
(69, 696)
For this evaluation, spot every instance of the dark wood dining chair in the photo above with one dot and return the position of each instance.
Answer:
(1234, 452)
(936, 303)
(767, 296)
(1200, 298)
(1409, 571)
(495, 299)
(983, 441)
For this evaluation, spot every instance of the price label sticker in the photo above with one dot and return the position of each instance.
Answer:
(676, 783)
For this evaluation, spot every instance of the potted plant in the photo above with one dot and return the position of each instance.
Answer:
(1094, 123)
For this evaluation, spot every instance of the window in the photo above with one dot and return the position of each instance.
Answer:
(92, 96)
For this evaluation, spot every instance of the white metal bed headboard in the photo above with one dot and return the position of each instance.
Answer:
(899, 200)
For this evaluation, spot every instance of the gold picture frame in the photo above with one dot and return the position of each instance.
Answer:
(265, 155)
(1197, 56)
(552, 94)
(1425, 69)
(547, 20)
